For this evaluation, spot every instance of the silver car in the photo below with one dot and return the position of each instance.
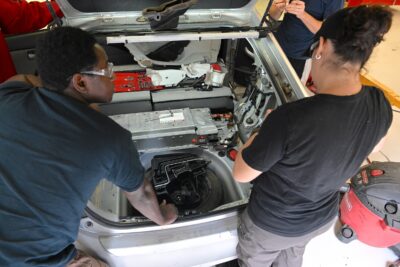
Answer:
(194, 79)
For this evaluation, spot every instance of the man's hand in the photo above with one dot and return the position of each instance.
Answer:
(144, 199)
(296, 7)
(277, 8)
(280, 4)
(169, 212)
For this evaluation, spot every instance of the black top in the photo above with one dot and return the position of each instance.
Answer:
(54, 151)
(307, 150)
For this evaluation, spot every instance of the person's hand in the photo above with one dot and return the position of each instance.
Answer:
(296, 7)
(169, 212)
(280, 4)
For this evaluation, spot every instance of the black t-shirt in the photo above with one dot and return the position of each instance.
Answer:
(54, 151)
(307, 150)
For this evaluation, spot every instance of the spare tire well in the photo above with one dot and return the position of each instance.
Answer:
(186, 181)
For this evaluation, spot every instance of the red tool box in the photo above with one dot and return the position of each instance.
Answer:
(369, 211)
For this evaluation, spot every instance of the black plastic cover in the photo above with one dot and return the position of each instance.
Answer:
(129, 5)
(377, 186)
(166, 15)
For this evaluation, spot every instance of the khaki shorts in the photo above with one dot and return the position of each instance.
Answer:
(84, 260)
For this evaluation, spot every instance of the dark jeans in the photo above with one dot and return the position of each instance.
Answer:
(298, 65)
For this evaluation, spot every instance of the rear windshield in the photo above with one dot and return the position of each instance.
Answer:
(139, 5)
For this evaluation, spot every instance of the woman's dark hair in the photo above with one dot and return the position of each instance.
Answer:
(363, 28)
(61, 53)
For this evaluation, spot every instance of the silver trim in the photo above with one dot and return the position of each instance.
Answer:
(167, 37)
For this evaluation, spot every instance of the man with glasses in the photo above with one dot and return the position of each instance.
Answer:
(55, 149)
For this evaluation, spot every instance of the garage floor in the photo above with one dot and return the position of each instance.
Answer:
(327, 251)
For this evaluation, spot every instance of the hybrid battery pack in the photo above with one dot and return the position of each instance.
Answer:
(160, 130)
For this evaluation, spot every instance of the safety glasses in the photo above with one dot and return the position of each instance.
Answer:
(107, 72)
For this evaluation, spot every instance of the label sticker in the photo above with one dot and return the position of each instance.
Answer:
(171, 117)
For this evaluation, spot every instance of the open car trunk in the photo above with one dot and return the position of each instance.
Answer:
(184, 124)
(185, 129)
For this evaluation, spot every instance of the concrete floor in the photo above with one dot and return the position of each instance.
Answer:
(327, 251)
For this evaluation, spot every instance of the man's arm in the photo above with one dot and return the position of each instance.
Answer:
(297, 8)
(145, 201)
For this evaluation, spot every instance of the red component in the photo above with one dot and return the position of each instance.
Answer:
(18, 17)
(133, 81)
(310, 85)
(226, 116)
(232, 153)
(369, 227)
(364, 176)
(202, 139)
(216, 67)
(376, 172)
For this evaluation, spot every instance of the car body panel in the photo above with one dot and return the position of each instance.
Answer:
(203, 242)
(99, 17)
